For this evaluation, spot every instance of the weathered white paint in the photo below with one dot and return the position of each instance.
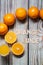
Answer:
(7, 6)
(34, 52)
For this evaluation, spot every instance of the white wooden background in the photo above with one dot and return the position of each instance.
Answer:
(35, 54)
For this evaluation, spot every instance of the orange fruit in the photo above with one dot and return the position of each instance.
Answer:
(10, 37)
(3, 28)
(41, 14)
(17, 48)
(9, 19)
(4, 50)
(21, 13)
(33, 12)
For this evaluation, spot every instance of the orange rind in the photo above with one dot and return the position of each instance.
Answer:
(21, 13)
(33, 12)
(9, 19)
(3, 29)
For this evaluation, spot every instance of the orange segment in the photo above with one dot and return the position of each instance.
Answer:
(3, 28)
(21, 13)
(10, 37)
(4, 50)
(9, 19)
(17, 48)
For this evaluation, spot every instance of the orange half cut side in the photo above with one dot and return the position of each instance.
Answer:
(17, 48)
(10, 37)
(4, 50)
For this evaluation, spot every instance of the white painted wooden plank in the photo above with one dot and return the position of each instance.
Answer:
(32, 47)
(42, 41)
(40, 52)
(39, 59)
(3, 8)
(20, 26)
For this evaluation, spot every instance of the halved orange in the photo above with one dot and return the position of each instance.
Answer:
(4, 50)
(10, 37)
(17, 48)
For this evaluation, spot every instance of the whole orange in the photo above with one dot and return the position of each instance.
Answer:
(3, 28)
(21, 13)
(41, 14)
(9, 19)
(33, 12)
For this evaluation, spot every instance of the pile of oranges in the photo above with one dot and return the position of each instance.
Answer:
(10, 37)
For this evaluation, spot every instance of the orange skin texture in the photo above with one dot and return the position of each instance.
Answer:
(3, 29)
(9, 19)
(21, 13)
(33, 12)
(41, 14)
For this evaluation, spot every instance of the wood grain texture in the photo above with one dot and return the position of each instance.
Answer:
(35, 54)
(40, 26)
(7, 6)
(32, 47)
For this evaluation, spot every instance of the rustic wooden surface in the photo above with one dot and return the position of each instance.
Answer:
(35, 55)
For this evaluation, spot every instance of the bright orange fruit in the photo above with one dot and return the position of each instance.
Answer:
(9, 19)
(41, 14)
(21, 13)
(3, 28)
(10, 37)
(33, 12)
(17, 48)
(4, 50)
